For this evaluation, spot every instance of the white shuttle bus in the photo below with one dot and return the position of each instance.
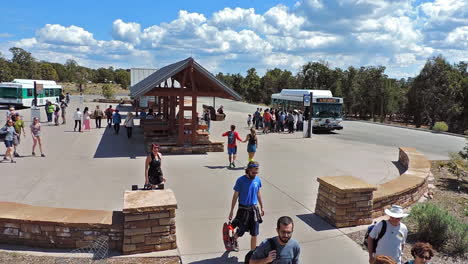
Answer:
(327, 110)
(20, 92)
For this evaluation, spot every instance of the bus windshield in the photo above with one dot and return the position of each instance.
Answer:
(7, 92)
(327, 110)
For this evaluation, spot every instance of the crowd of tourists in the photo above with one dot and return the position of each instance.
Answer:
(12, 132)
(275, 120)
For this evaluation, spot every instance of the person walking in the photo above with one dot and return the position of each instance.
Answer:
(86, 120)
(19, 128)
(247, 195)
(109, 112)
(63, 108)
(36, 136)
(10, 113)
(67, 98)
(207, 119)
(153, 171)
(249, 120)
(256, 118)
(252, 143)
(280, 249)
(77, 116)
(98, 114)
(9, 131)
(128, 123)
(56, 114)
(422, 253)
(116, 119)
(233, 136)
(50, 111)
(393, 241)
(290, 122)
(266, 121)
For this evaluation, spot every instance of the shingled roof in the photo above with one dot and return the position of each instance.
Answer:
(204, 80)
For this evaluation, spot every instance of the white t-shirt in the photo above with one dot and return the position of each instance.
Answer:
(390, 244)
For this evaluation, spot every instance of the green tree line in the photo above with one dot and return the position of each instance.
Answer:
(438, 93)
(24, 66)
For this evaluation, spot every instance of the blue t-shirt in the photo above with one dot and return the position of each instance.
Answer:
(285, 254)
(248, 190)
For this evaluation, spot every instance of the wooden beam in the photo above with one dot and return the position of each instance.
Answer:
(180, 136)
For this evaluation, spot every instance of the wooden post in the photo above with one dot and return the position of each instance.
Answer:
(194, 106)
(166, 107)
(180, 137)
(159, 104)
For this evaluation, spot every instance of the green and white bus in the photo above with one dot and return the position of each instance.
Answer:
(327, 110)
(20, 92)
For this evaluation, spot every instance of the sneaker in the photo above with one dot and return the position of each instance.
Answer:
(16, 155)
(12, 161)
(230, 165)
(5, 158)
(233, 165)
(34, 153)
(42, 155)
(235, 246)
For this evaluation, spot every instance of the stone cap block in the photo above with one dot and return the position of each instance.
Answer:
(60, 216)
(398, 186)
(346, 183)
(149, 201)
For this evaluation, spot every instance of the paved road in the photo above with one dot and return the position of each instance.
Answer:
(91, 170)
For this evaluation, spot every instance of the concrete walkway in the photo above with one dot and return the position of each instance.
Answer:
(91, 170)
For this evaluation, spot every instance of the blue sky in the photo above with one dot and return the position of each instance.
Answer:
(234, 35)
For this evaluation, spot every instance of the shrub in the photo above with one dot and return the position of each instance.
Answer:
(439, 228)
(440, 126)
(107, 91)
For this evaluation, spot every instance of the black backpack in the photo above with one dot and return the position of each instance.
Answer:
(272, 247)
(381, 234)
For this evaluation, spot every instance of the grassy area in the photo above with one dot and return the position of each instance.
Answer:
(92, 88)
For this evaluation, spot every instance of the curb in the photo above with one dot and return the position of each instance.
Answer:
(412, 128)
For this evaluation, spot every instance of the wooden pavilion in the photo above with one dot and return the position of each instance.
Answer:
(170, 86)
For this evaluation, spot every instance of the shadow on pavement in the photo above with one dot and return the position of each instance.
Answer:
(315, 222)
(216, 167)
(219, 260)
(118, 146)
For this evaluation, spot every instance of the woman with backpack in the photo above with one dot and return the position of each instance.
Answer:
(36, 135)
(10, 134)
(252, 143)
(153, 171)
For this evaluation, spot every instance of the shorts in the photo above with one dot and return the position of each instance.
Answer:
(252, 227)
(251, 148)
(16, 140)
(232, 151)
(8, 143)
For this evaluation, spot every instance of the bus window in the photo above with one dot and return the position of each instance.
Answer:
(30, 92)
(47, 92)
(57, 92)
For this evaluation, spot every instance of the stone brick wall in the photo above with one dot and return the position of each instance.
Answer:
(22, 224)
(149, 221)
(344, 201)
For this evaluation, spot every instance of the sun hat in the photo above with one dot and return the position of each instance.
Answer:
(396, 211)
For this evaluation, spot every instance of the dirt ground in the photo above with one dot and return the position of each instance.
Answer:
(447, 196)
(19, 258)
(92, 88)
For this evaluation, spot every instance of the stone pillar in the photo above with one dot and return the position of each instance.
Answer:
(344, 201)
(149, 221)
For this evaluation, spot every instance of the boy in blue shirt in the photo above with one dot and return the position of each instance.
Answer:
(248, 216)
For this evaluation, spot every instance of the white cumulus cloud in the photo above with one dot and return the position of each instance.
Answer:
(58, 34)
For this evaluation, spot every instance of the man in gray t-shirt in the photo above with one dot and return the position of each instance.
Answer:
(286, 250)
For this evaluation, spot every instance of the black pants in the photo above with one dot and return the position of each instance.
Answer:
(49, 117)
(291, 126)
(78, 123)
(109, 121)
(116, 128)
(129, 131)
(98, 121)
